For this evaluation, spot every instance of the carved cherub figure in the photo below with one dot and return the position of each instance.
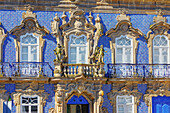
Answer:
(59, 52)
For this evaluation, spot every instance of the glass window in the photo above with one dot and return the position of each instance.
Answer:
(124, 50)
(29, 48)
(77, 49)
(125, 104)
(160, 50)
(29, 104)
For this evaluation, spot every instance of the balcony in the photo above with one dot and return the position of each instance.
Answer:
(138, 70)
(25, 69)
(73, 70)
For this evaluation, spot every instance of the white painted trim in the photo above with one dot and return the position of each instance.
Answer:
(77, 49)
(123, 47)
(124, 104)
(29, 47)
(160, 48)
(38, 104)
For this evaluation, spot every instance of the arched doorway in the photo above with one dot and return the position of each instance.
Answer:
(77, 105)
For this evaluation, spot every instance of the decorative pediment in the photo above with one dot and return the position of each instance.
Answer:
(77, 25)
(124, 27)
(124, 89)
(41, 93)
(29, 24)
(77, 21)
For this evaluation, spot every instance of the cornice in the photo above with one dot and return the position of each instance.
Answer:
(134, 8)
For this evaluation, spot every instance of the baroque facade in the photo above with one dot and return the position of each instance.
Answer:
(76, 56)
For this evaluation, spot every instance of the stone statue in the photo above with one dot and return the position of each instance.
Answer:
(59, 52)
(101, 54)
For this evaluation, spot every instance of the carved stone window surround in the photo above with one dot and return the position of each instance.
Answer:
(77, 25)
(17, 98)
(113, 95)
(124, 89)
(157, 29)
(29, 24)
(124, 28)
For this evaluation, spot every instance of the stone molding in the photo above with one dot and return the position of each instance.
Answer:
(122, 89)
(77, 25)
(124, 27)
(3, 97)
(43, 96)
(3, 36)
(29, 24)
(160, 27)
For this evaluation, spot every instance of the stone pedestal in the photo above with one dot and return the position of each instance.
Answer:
(58, 69)
(101, 70)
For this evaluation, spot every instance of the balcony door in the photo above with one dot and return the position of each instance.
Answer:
(77, 49)
(160, 56)
(29, 55)
(29, 48)
(124, 54)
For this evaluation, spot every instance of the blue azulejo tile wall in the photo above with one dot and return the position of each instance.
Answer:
(11, 18)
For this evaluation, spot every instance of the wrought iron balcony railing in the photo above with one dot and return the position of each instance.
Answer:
(139, 70)
(31, 69)
(5, 69)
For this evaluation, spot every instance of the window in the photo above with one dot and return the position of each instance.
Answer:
(125, 104)
(29, 48)
(124, 50)
(160, 50)
(29, 104)
(77, 49)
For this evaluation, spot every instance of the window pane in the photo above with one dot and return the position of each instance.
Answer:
(34, 109)
(129, 108)
(25, 109)
(129, 99)
(29, 39)
(120, 108)
(119, 55)
(121, 100)
(34, 100)
(24, 49)
(24, 57)
(82, 54)
(72, 54)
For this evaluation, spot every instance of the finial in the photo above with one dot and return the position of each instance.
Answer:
(123, 11)
(90, 18)
(64, 17)
(56, 18)
(160, 12)
(98, 18)
(29, 8)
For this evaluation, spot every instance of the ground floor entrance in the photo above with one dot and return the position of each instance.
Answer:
(77, 105)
